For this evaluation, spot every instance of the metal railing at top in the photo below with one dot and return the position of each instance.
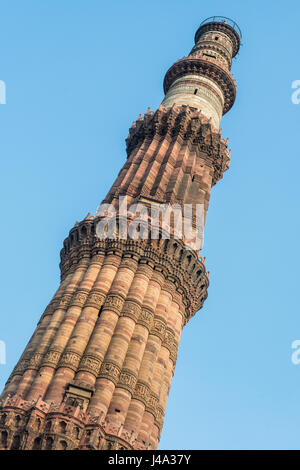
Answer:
(223, 19)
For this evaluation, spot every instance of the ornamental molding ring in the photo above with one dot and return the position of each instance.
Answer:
(209, 68)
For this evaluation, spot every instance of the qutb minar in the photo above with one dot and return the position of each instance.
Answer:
(97, 371)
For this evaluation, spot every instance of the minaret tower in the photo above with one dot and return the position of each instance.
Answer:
(97, 371)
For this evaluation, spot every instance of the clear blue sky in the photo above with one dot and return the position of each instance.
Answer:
(77, 74)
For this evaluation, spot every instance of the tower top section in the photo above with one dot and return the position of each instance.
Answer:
(203, 80)
(222, 24)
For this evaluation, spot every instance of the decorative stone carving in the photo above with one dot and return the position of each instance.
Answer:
(152, 404)
(35, 361)
(131, 309)
(142, 392)
(159, 417)
(90, 363)
(158, 328)
(51, 358)
(20, 367)
(155, 252)
(110, 371)
(173, 352)
(65, 300)
(146, 318)
(114, 303)
(168, 340)
(70, 359)
(95, 299)
(79, 299)
(127, 380)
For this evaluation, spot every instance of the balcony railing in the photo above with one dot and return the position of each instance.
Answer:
(223, 19)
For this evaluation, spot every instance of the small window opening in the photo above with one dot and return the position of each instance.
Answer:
(117, 411)
(210, 55)
(216, 38)
(195, 92)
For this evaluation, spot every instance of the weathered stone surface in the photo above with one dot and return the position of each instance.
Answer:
(97, 371)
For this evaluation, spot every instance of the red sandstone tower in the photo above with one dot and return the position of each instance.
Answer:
(97, 371)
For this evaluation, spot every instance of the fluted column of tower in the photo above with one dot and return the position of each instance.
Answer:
(97, 371)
